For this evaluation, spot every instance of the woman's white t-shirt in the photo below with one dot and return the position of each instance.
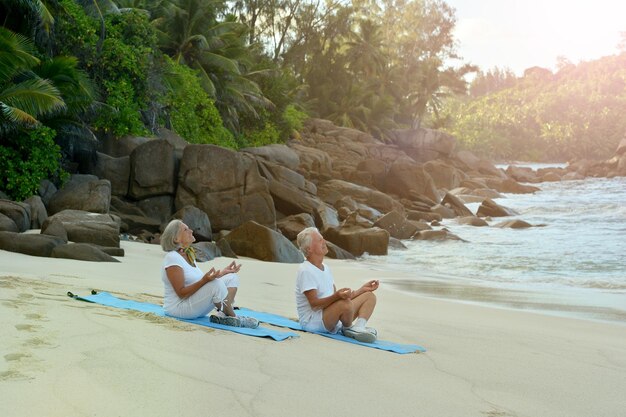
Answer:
(191, 274)
(311, 277)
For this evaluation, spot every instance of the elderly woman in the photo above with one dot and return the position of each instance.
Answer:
(189, 292)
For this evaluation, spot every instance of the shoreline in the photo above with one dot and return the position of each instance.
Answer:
(82, 359)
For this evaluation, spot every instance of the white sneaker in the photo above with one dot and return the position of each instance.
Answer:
(360, 334)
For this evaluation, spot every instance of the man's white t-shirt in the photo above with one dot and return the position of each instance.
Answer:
(191, 273)
(311, 277)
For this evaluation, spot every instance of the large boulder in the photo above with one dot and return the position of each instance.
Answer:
(46, 190)
(490, 208)
(206, 251)
(29, 244)
(197, 220)
(444, 175)
(7, 224)
(453, 202)
(335, 252)
(325, 216)
(521, 174)
(152, 170)
(116, 170)
(406, 179)
(513, 224)
(226, 185)
(358, 241)
(291, 200)
(313, 162)
(159, 208)
(441, 234)
(18, 212)
(85, 227)
(472, 221)
(277, 153)
(82, 192)
(476, 165)
(509, 185)
(424, 144)
(397, 225)
(119, 147)
(334, 190)
(81, 252)
(256, 241)
(38, 212)
(290, 226)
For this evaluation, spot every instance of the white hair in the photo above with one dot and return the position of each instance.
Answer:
(304, 239)
(168, 238)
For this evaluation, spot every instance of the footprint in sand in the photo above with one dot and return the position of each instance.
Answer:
(27, 327)
(11, 374)
(15, 356)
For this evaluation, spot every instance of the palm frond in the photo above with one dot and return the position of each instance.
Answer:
(33, 96)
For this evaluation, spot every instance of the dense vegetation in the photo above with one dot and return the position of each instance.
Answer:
(248, 72)
(575, 113)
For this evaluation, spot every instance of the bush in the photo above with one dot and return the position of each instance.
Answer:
(26, 159)
(192, 112)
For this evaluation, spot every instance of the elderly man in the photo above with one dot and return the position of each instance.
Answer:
(323, 308)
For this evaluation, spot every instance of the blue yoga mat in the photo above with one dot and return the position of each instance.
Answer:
(281, 321)
(104, 298)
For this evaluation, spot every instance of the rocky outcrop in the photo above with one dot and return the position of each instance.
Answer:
(116, 170)
(29, 244)
(82, 192)
(226, 185)
(19, 213)
(256, 241)
(292, 225)
(152, 170)
(424, 144)
(397, 225)
(334, 190)
(281, 155)
(490, 208)
(38, 212)
(7, 224)
(404, 180)
(81, 252)
(197, 220)
(358, 241)
(86, 227)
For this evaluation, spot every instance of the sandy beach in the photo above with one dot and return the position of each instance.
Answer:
(62, 357)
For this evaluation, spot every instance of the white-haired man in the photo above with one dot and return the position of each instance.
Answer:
(321, 306)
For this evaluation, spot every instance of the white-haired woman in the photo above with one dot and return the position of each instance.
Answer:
(189, 292)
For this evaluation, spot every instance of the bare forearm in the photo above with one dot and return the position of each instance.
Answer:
(322, 303)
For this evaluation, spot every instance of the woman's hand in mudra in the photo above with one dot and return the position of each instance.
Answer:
(212, 274)
(232, 268)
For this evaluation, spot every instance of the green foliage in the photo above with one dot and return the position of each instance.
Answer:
(192, 113)
(575, 113)
(266, 136)
(119, 63)
(24, 97)
(294, 118)
(26, 159)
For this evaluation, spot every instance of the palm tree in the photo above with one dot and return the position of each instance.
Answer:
(218, 51)
(24, 96)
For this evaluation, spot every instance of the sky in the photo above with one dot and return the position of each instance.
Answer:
(520, 34)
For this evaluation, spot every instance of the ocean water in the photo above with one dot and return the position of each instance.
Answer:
(574, 264)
